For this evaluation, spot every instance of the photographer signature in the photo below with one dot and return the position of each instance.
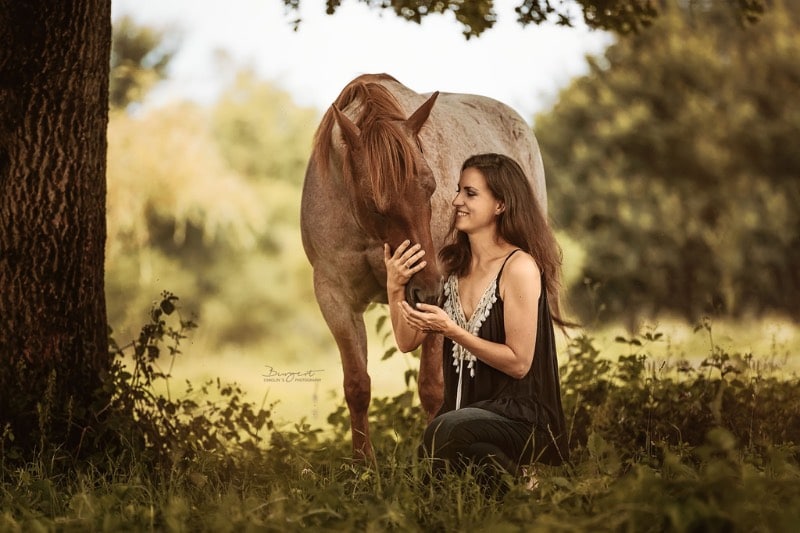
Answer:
(291, 376)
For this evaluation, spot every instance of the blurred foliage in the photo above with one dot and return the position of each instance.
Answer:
(169, 432)
(261, 133)
(139, 59)
(206, 201)
(673, 163)
(477, 16)
(643, 406)
(670, 172)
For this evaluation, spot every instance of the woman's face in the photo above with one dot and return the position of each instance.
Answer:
(476, 206)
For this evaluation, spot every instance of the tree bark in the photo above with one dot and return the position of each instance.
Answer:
(54, 72)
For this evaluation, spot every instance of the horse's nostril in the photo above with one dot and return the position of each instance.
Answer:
(416, 296)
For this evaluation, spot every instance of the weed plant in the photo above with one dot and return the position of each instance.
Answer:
(656, 446)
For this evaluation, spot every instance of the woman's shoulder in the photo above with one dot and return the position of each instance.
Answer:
(521, 263)
(520, 270)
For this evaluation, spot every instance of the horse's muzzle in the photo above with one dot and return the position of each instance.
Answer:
(417, 292)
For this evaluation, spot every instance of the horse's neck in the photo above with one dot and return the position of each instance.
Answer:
(408, 99)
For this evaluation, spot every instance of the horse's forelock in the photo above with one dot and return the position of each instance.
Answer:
(323, 138)
(390, 162)
(388, 153)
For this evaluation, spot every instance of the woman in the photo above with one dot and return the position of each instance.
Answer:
(502, 403)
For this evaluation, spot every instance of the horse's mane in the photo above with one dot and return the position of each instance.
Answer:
(388, 155)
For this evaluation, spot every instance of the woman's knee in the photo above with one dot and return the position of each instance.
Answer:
(437, 434)
(448, 433)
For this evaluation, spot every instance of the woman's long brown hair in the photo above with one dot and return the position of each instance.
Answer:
(522, 224)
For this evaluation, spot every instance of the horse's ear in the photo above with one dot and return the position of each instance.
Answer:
(418, 118)
(350, 131)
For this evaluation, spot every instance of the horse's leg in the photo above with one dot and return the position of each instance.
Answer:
(431, 380)
(347, 327)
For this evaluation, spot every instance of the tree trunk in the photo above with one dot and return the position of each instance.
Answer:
(54, 69)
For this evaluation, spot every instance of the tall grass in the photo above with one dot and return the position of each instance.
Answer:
(657, 445)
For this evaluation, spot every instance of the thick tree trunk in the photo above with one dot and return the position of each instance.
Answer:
(54, 68)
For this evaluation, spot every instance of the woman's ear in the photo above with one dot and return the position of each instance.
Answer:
(500, 208)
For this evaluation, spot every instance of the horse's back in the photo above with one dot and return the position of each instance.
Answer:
(482, 124)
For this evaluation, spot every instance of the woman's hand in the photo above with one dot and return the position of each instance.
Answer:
(402, 264)
(427, 318)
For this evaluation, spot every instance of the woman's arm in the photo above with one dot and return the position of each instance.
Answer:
(397, 276)
(520, 290)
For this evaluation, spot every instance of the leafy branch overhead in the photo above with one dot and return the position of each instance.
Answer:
(477, 16)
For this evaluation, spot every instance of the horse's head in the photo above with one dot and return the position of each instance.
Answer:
(392, 184)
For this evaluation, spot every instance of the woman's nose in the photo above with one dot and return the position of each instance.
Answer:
(456, 200)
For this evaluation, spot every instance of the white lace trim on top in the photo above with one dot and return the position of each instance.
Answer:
(452, 306)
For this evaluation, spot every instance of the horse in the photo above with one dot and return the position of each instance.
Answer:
(384, 167)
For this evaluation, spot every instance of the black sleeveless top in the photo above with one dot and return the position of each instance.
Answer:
(534, 399)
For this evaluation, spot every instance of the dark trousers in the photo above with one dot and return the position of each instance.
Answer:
(483, 438)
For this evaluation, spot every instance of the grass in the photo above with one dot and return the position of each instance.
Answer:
(774, 342)
(726, 492)
(297, 400)
(303, 476)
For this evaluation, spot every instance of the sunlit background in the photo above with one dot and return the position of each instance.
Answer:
(214, 105)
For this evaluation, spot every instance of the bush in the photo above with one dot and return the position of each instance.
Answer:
(643, 407)
(656, 447)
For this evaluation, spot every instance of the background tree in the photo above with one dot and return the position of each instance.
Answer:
(53, 114)
(204, 201)
(672, 163)
(476, 16)
(262, 133)
(140, 56)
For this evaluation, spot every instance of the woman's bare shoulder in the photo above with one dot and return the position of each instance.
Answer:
(521, 270)
(523, 264)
